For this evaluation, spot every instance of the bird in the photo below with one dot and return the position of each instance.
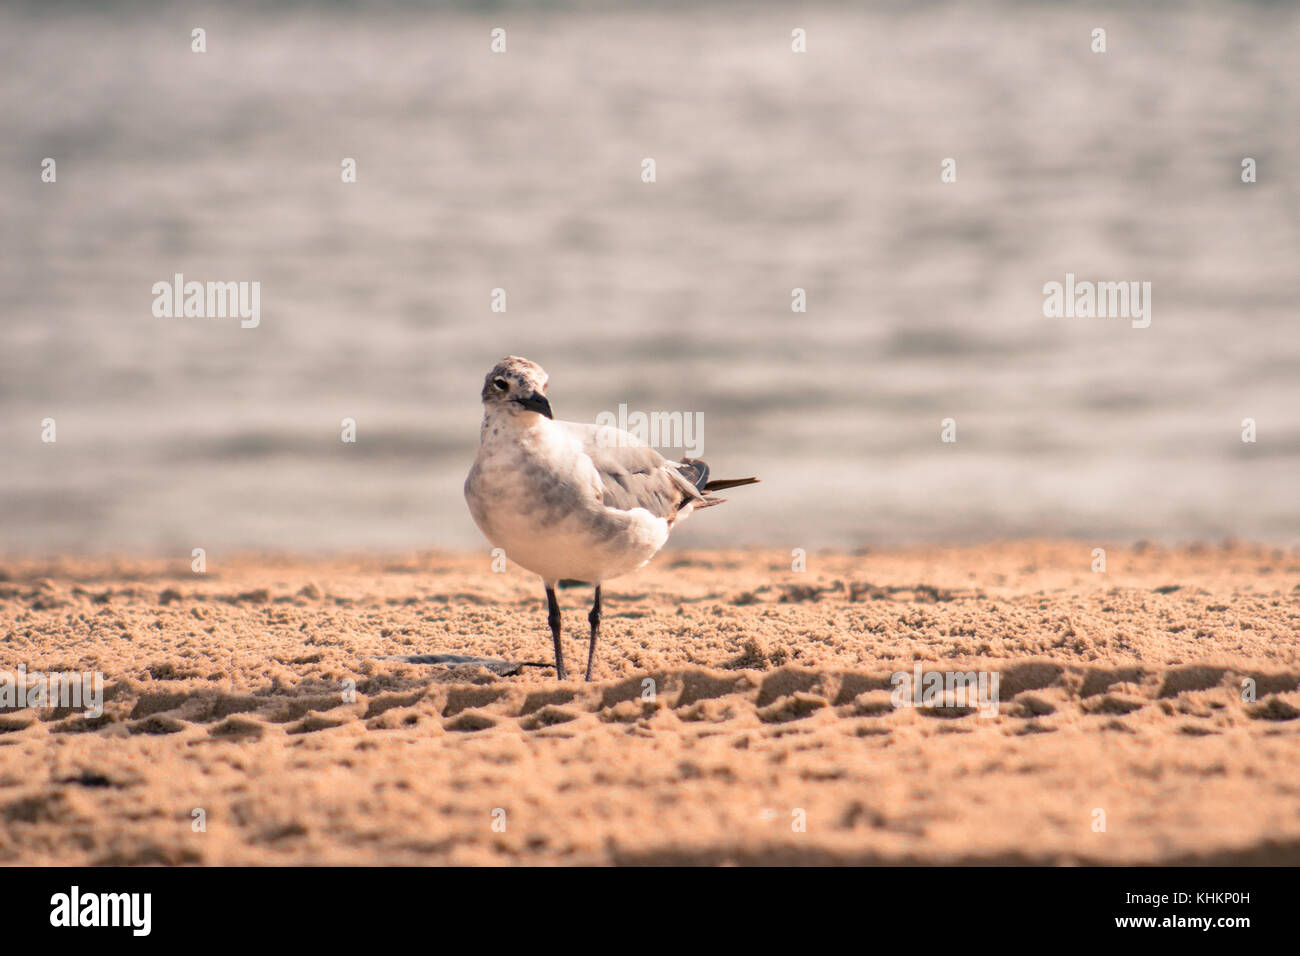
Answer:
(571, 502)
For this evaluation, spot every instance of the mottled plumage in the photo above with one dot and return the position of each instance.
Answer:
(571, 501)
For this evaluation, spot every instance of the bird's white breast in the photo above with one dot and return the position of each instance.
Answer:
(534, 492)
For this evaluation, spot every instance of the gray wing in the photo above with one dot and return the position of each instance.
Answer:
(632, 474)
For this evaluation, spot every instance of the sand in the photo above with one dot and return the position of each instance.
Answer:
(258, 694)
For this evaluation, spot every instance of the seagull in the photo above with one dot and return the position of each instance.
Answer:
(573, 502)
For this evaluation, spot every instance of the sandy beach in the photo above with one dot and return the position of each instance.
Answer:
(742, 712)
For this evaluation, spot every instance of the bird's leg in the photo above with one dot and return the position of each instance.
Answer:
(594, 619)
(553, 619)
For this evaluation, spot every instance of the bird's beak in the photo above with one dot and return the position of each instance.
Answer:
(536, 402)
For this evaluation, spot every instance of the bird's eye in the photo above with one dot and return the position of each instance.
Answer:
(501, 384)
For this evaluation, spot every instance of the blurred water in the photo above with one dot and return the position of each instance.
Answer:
(775, 171)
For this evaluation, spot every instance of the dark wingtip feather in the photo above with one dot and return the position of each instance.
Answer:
(694, 471)
(722, 483)
(697, 473)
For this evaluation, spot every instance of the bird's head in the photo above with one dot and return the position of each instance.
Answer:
(516, 386)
